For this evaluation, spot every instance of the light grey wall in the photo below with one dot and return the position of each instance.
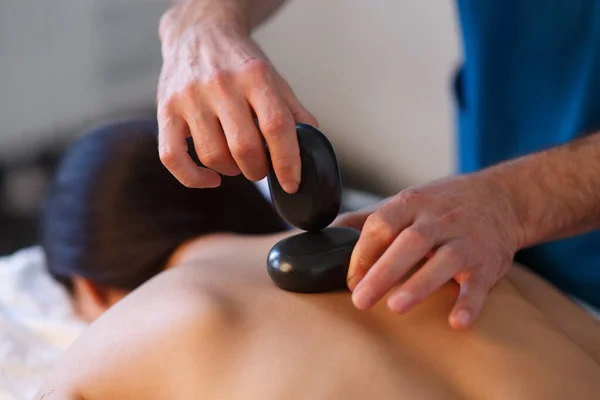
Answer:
(64, 63)
(376, 74)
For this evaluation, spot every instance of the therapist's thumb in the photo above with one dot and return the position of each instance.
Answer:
(354, 219)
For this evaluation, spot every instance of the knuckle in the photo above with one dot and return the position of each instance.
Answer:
(362, 260)
(255, 66)
(216, 79)
(451, 217)
(453, 256)
(196, 123)
(364, 264)
(188, 94)
(165, 21)
(168, 156)
(410, 195)
(165, 111)
(244, 148)
(278, 125)
(408, 198)
(257, 74)
(416, 237)
(211, 158)
(379, 227)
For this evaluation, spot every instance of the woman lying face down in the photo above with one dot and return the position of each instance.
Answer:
(114, 215)
(216, 327)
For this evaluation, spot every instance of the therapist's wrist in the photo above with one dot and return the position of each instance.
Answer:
(514, 197)
(228, 16)
(534, 191)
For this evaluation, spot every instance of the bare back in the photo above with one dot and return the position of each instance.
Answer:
(217, 328)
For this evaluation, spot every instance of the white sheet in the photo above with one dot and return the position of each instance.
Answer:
(37, 323)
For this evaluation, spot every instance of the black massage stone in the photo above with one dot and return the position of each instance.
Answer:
(317, 202)
(313, 262)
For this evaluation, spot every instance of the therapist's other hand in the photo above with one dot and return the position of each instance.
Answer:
(461, 228)
(213, 81)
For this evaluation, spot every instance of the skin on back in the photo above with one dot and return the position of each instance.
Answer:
(216, 327)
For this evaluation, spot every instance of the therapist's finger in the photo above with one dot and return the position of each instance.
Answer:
(278, 127)
(473, 293)
(209, 140)
(243, 137)
(379, 230)
(441, 268)
(173, 153)
(357, 219)
(408, 249)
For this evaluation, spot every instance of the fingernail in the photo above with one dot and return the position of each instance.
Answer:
(298, 174)
(462, 318)
(362, 297)
(290, 187)
(232, 171)
(352, 282)
(400, 302)
(213, 183)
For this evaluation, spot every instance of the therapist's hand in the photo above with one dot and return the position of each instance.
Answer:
(461, 228)
(214, 79)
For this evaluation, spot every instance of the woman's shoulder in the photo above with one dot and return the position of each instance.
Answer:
(172, 326)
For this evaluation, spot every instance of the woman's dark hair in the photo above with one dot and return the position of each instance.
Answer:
(114, 214)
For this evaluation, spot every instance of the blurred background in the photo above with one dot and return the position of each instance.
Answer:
(376, 74)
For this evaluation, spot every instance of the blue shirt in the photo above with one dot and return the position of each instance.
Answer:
(531, 80)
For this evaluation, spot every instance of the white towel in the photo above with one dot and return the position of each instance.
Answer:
(37, 323)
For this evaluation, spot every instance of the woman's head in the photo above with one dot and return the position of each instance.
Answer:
(114, 214)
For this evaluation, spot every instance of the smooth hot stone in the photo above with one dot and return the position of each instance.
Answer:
(317, 202)
(313, 262)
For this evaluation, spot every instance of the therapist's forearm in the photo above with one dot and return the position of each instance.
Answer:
(245, 14)
(555, 193)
